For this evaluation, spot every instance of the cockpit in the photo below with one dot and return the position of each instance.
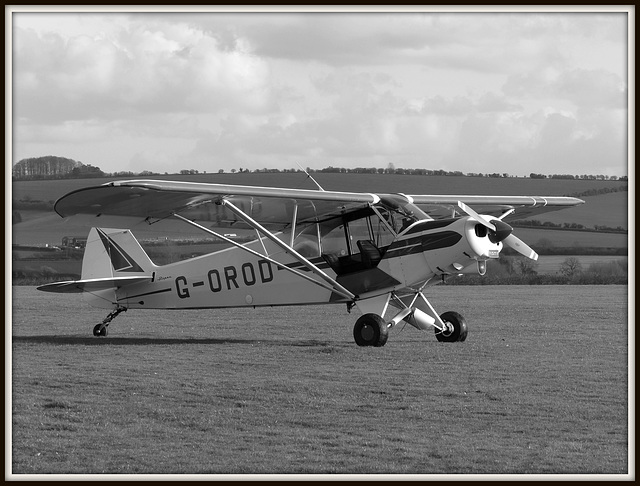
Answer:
(358, 240)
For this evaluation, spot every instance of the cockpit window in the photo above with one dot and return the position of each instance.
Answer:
(400, 213)
(379, 224)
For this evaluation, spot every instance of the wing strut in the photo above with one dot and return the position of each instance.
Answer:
(288, 249)
(337, 290)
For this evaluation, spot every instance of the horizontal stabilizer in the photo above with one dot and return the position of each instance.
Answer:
(91, 284)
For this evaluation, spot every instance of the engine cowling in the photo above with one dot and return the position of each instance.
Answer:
(484, 243)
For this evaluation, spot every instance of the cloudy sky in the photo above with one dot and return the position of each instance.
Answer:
(512, 92)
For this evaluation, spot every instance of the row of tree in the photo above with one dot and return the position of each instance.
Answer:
(567, 226)
(52, 167)
(582, 177)
(601, 190)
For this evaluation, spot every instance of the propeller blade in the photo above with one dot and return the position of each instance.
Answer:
(520, 246)
(475, 216)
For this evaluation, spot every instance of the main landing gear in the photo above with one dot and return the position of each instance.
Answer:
(456, 328)
(372, 330)
(100, 330)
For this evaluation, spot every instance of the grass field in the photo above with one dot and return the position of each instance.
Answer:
(539, 387)
(573, 239)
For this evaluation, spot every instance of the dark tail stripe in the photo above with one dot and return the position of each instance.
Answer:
(146, 293)
(120, 259)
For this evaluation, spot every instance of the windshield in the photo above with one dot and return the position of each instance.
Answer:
(399, 213)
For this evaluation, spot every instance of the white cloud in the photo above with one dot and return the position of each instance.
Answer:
(583, 88)
(139, 69)
(459, 91)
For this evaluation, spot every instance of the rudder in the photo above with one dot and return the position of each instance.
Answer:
(114, 253)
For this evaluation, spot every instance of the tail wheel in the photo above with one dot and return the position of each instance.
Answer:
(100, 330)
(370, 330)
(456, 332)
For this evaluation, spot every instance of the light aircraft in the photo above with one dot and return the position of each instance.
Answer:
(377, 252)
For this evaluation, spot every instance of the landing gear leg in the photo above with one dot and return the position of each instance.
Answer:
(101, 329)
(416, 310)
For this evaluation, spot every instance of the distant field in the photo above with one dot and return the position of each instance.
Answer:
(560, 238)
(607, 209)
(539, 387)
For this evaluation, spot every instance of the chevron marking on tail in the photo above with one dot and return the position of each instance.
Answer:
(120, 259)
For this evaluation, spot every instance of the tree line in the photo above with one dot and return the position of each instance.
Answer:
(53, 167)
(581, 177)
(566, 226)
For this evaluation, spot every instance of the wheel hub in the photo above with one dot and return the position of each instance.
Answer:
(367, 332)
(448, 329)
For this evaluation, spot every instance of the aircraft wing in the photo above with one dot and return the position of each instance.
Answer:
(157, 200)
(439, 207)
(276, 208)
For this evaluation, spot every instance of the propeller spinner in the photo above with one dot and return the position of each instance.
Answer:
(499, 231)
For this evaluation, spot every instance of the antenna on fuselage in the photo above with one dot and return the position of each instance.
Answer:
(309, 176)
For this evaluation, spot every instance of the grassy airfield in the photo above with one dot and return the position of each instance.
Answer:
(539, 387)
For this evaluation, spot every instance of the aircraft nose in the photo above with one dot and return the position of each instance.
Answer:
(503, 230)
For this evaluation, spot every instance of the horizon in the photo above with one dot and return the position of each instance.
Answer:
(389, 170)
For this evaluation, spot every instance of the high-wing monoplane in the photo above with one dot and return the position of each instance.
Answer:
(377, 252)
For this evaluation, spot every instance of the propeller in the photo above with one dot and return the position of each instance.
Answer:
(499, 231)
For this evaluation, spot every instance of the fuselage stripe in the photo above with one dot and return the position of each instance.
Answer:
(146, 293)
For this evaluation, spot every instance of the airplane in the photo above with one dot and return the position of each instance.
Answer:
(376, 252)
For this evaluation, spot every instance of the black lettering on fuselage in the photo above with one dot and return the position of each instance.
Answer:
(231, 274)
(248, 274)
(214, 281)
(266, 274)
(183, 293)
(231, 277)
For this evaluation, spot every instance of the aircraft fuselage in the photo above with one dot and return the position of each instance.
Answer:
(233, 277)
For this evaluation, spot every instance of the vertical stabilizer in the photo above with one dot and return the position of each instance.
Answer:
(112, 253)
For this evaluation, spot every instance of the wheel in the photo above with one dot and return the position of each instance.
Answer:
(100, 332)
(370, 330)
(459, 332)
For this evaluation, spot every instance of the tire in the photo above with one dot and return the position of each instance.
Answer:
(460, 329)
(99, 332)
(370, 330)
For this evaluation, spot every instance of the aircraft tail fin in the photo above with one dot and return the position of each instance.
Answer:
(114, 253)
(112, 258)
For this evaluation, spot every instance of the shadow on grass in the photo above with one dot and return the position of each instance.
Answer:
(146, 341)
